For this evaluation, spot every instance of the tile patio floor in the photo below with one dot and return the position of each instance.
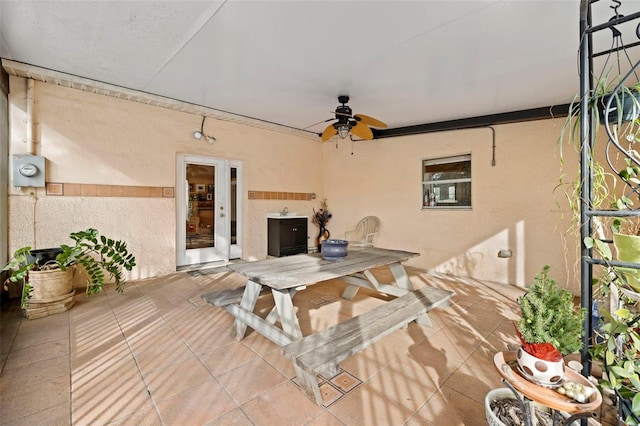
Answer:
(158, 355)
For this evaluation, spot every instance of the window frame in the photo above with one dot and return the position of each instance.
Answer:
(427, 200)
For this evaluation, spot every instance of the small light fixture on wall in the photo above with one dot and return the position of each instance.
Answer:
(199, 134)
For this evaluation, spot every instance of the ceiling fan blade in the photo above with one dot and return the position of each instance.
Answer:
(362, 130)
(328, 133)
(370, 120)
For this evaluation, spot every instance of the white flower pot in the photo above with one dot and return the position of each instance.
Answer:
(540, 371)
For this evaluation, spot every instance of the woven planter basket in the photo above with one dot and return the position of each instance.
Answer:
(50, 285)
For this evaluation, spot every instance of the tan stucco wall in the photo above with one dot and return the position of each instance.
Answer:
(89, 138)
(514, 205)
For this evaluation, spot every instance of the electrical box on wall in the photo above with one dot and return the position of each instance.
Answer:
(28, 170)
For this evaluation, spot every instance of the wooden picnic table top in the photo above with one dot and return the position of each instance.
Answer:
(306, 269)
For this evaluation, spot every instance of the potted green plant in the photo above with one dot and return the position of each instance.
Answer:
(550, 327)
(617, 347)
(96, 254)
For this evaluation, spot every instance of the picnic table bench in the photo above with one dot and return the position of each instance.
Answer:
(321, 352)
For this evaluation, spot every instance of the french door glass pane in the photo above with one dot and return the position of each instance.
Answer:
(200, 217)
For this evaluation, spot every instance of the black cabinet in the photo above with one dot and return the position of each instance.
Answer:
(287, 236)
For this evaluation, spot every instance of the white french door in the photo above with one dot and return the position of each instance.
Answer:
(208, 206)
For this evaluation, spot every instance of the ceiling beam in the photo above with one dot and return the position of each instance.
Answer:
(544, 113)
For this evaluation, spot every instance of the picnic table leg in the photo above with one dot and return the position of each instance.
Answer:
(365, 277)
(273, 314)
(287, 313)
(309, 385)
(402, 280)
(248, 303)
(401, 277)
(350, 292)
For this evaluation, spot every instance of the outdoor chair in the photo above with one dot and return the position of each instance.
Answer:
(364, 232)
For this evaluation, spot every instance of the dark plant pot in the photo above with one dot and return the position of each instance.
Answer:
(334, 249)
(42, 256)
(630, 104)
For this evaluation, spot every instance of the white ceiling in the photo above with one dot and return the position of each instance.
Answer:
(285, 62)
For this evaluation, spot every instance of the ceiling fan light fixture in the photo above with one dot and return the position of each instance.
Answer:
(343, 130)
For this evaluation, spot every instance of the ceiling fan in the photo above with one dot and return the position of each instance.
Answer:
(348, 122)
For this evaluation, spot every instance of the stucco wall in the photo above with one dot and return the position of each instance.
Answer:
(94, 139)
(89, 138)
(514, 204)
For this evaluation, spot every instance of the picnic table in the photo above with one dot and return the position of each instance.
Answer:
(321, 352)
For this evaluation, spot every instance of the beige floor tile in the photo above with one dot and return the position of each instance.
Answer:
(234, 417)
(51, 323)
(168, 380)
(108, 357)
(35, 373)
(503, 336)
(33, 354)
(326, 419)
(280, 363)
(37, 337)
(293, 407)
(228, 357)
(147, 416)
(464, 340)
(416, 420)
(139, 321)
(244, 384)
(159, 355)
(475, 378)
(107, 394)
(367, 405)
(259, 344)
(219, 316)
(321, 320)
(197, 405)
(393, 345)
(208, 339)
(366, 364)
(29, 400)
(58, 415)
(440, 342)
(448, 407)
(169, 349)
(410, 380)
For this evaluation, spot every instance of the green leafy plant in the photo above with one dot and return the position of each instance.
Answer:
(618, 348)
(96, 253)
(550, 316)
